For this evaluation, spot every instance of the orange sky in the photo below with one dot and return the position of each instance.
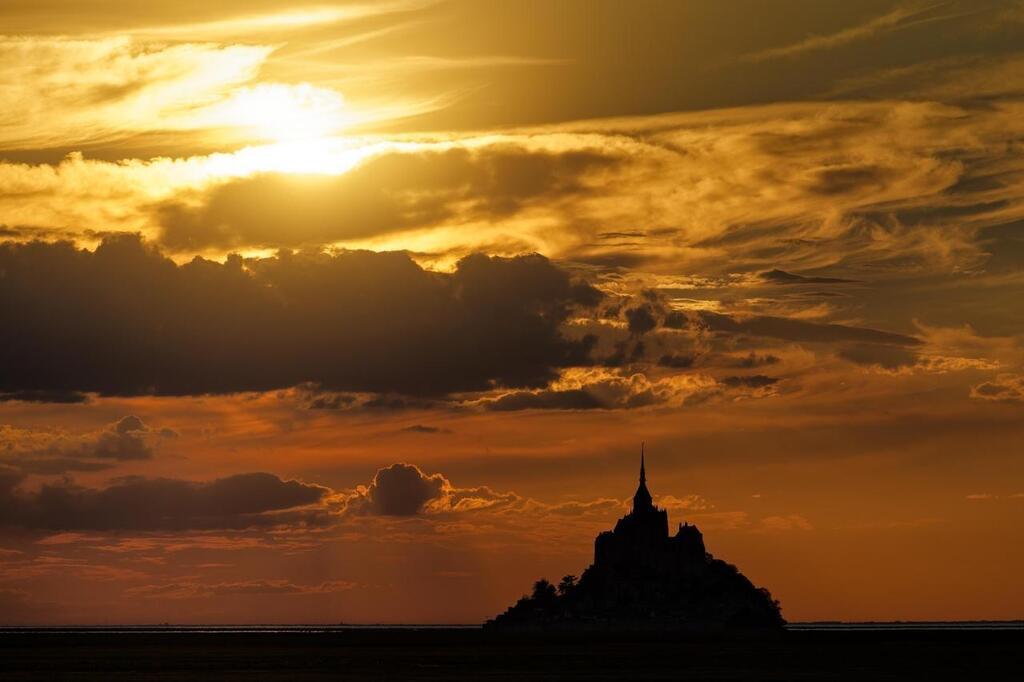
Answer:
(360, 311)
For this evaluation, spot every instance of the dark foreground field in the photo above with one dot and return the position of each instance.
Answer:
(476, 655)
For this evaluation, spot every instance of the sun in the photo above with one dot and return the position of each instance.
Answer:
(278, 112)
(295, 128)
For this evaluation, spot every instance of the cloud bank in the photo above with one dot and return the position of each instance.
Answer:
(125, 320)
(161, 504)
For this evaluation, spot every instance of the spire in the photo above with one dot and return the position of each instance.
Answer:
(642, 499)
(643, 476)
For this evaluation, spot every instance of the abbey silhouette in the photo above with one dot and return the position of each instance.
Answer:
(643, 578)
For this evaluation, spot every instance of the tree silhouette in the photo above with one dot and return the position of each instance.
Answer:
(543, 591)
(567, 585)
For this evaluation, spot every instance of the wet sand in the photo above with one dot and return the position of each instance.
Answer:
(442, 654)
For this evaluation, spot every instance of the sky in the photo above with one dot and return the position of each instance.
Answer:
(360, 311)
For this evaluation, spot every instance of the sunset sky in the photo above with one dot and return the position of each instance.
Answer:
(360, 312)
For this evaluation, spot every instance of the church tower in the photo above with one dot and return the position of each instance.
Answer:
(642, 499)
(640, 537)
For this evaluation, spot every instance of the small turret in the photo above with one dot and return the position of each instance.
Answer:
(689, 540)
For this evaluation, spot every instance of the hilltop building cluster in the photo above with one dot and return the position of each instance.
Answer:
(642, 578)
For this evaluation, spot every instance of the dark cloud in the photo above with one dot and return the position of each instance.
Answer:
(751, 381)
(127, 439)
(676, 360)
(118, 445)
(613, 260)
(833, 181)
(422, 428)
(643, 315)
(754, 360)
(571, 399)
(675, 320)
(54, 396)
(1007, 388)
(389, 193)
(398, 490)
(782, 277)
(800, 330)
(404, 490)
(311, 396)
(397, 403)
(129, 424)
(888, 357)
(141, 504)
(641, 320)
(623, 353)
(1004, 245)
(125, 320)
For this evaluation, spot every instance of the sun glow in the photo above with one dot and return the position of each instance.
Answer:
(300, 125)
(326, 156)
(278, 112)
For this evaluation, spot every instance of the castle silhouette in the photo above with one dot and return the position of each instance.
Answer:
(643, 578)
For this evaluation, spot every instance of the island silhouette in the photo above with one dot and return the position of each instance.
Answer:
(643, 578)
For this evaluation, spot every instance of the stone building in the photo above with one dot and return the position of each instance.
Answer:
(640, 536)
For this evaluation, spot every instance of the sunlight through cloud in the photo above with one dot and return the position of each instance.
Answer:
(280, 112)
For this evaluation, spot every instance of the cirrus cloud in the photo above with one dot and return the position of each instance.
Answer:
(63, 91)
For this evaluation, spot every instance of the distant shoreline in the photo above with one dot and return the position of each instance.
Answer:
(316, 628)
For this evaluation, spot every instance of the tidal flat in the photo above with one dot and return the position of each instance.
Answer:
(473, 654)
